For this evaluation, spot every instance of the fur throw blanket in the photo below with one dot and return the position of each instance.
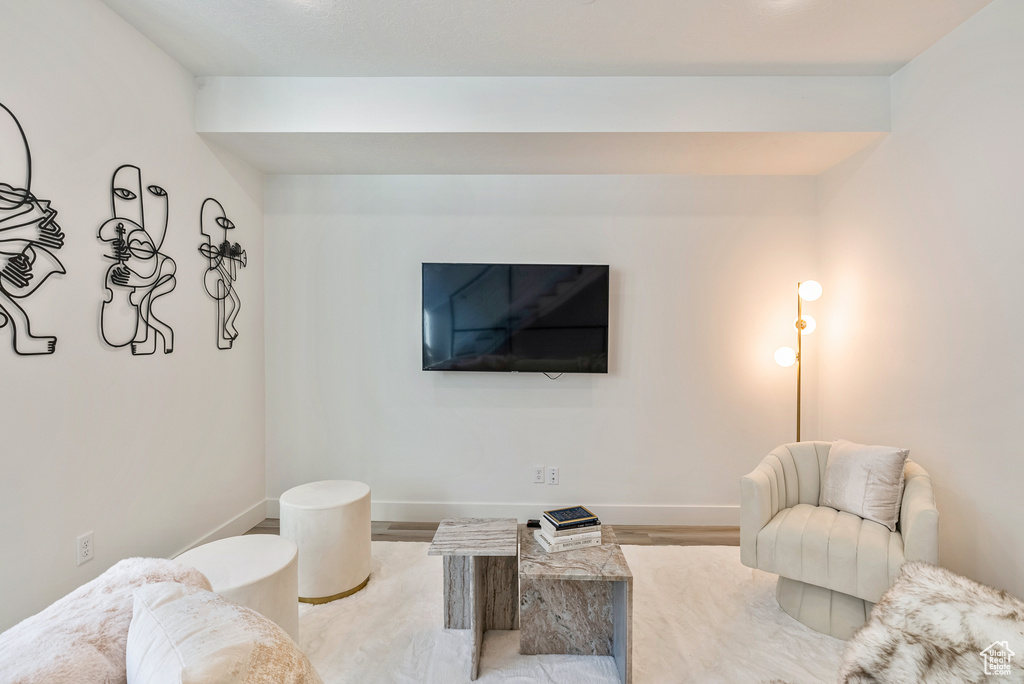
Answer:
(935, 626)
(82, 637)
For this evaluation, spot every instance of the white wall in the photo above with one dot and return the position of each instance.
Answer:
(151, 453)
(704, 271)
(921, 246)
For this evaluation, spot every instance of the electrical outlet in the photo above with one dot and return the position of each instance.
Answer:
(85, 548)
(552, 476)
(538, 474)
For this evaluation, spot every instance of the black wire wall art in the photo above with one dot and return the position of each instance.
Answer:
(140, 272)
(225, 258)
(29, 237)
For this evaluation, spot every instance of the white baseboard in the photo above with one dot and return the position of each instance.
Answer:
(240, 524)
(612, 514)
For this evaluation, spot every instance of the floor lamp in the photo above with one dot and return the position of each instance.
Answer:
(807, 291)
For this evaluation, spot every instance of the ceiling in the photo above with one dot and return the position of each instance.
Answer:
(544, 37)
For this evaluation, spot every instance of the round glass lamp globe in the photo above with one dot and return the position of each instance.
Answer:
(809, 290)
(785, 356)
(809, 325)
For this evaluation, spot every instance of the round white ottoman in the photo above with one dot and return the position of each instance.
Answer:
(330, 523)
(259, 571)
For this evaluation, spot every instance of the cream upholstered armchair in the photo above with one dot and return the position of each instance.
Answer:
(833, 566)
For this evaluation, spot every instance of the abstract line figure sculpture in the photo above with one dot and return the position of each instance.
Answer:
(29, 236)
(225, 260)
(141, 272)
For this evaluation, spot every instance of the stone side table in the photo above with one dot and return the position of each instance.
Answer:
(578, 602)
(480, 583)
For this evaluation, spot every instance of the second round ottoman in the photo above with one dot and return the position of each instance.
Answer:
(330, 523)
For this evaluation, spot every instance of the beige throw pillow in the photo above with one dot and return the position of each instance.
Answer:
(864, 480)
(183, 635)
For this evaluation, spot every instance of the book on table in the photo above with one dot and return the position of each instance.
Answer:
(554, 547)
(572, 518)
(571, 533)
(573, 515)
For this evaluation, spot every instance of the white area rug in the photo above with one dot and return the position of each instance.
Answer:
(698, 616)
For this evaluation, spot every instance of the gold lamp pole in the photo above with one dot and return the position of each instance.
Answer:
(808, 290)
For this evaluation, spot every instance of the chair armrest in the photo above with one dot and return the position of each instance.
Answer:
(919, 518)
(759, 502)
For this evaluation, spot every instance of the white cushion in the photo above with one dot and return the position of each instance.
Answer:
(183, 635)
(864, 480)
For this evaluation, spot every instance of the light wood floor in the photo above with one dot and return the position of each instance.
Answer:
(644, 535)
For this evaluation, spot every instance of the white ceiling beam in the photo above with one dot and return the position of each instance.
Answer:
(542, 104)
(693, 125)
(705, 154)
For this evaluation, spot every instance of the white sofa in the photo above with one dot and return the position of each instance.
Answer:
(833, 566)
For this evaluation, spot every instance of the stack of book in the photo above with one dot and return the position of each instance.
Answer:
(564, 529)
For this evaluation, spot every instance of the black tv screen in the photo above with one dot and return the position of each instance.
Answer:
(543, 318)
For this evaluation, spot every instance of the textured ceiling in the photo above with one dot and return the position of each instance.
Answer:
(543, 37)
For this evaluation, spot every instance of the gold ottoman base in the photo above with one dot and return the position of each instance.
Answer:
(328, 599)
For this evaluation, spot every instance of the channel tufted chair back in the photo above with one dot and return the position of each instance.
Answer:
(833, 566)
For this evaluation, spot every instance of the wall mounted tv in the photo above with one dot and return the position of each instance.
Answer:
(543, 318)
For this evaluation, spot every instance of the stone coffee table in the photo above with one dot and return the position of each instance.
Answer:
(480, 588)
(578, 602)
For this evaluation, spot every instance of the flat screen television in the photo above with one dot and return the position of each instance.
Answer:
(545, 318)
